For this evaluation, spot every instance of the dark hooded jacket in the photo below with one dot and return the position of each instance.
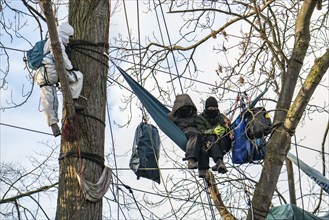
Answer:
(204, 123)
(184, 123)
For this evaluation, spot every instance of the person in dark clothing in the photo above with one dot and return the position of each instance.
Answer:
(183, 114)
(213, 125)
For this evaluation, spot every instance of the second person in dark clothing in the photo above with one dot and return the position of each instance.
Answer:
(183, 114)
(213, 125)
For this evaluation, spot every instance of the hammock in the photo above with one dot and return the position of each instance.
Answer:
(159, 112)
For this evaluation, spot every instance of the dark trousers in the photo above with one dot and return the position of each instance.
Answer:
(217, 147)
(195, 149)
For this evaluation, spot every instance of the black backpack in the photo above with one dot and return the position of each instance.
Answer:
(258, 123)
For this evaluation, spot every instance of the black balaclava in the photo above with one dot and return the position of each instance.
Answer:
(185, 111)
(211, 107)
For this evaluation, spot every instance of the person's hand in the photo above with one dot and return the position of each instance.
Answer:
(219, 130)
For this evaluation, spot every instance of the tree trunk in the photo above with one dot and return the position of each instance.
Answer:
(280, 141)
(90, 20)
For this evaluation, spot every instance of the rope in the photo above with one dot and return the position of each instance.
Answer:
(92, 117)
(26, 129)
(172, 53)
(161, 176)
(84, 155)
(162, 39)
(114, 154)
(132, 193)
(299, 176)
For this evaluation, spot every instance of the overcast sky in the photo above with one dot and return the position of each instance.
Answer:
(18, 144)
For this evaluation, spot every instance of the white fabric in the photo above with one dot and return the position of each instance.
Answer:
(75, 80)
(47, 75)
(315, 175)
(95, 191)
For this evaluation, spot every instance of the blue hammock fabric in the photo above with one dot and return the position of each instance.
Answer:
(157, 111)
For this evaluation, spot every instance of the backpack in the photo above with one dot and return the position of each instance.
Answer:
(258, 123)
(145, 152)
(35, 55)
(244, 149)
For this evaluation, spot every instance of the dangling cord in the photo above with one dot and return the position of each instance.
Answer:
(300, 180)
(113, 149)
(144, 115)
(170, 74)
(133, 196)
(172, 52)
(235, 106)
(249, 203)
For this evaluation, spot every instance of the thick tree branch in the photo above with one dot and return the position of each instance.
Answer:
(29, 193)
(216, 197)
(58, 56)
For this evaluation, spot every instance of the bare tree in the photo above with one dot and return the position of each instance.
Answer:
(278, 45)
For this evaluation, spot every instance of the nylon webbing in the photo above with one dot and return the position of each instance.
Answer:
(84, 155)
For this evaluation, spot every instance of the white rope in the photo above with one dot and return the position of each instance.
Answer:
(94, 192)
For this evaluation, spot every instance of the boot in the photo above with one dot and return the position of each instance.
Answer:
(192, 163)
(202, 173)
(220, 167)
(80, 103)
(55, 129)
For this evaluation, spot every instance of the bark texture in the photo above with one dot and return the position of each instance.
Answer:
(288, 118)
(90, 20)
(289, 114)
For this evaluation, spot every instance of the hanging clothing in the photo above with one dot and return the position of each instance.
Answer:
(47, 78)
(146, 152)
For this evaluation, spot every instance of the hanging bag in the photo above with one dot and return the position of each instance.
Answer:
(258, 123)
(246, 150)
(145, 152)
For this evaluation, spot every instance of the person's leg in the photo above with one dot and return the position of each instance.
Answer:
(213, 148)
(203, 162)
(193, 147)
(49, 102)
(217, 153)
